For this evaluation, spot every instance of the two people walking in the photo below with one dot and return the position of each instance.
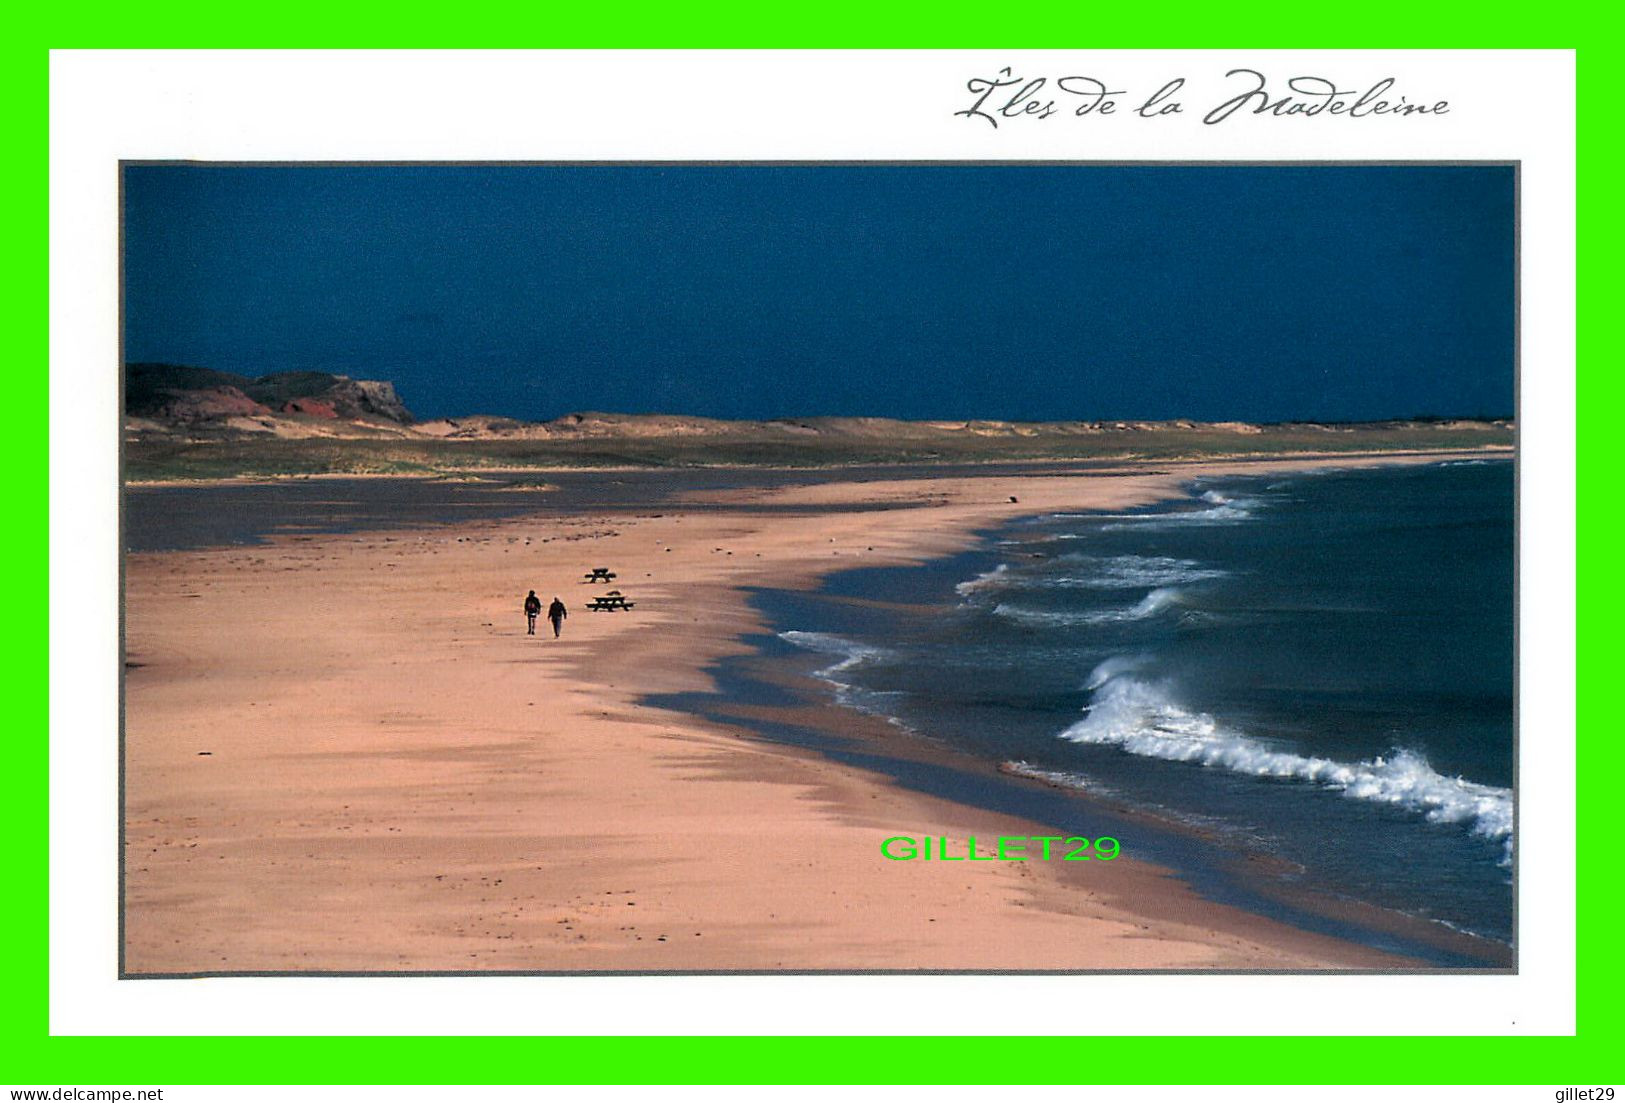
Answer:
(556, 613)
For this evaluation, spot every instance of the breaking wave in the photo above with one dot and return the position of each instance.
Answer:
(848, 655)
(987, 580)
(1220, 510)
(1142, 719)
(1114, 667)
(1117, 572)
(1160, 600)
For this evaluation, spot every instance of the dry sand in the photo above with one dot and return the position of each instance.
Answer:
(344, 753)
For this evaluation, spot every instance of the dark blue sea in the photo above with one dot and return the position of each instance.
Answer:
(1317, 669)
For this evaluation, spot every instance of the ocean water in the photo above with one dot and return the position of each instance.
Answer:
(1316, 668)
(173, 518)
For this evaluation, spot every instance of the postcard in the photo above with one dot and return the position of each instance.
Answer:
(1077, 538)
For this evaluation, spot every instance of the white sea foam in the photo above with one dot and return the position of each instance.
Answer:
(1220, 511)
(1143, 719)
(850, 654)
(1160, 600)
(1061, 779)
(1114, 667)
(1118, 572)
(1163, 597)
(998, 576)
(1130, 572)
(1043, 618)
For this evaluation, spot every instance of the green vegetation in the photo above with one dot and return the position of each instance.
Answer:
(150, 457)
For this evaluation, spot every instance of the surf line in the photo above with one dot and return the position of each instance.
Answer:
(1009, 848)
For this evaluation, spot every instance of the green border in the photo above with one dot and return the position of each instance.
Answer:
(31, 1057)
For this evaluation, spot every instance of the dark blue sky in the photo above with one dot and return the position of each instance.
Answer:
(1027, 292)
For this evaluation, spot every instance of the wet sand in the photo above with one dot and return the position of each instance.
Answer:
(344, 754)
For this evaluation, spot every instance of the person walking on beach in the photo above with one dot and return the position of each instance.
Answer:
(533, 606)
(556, 613)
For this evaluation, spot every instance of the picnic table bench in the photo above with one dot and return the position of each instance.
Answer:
(599, 574)
(609, 602)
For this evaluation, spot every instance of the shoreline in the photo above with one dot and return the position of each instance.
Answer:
(318, 841)
(1258, 882)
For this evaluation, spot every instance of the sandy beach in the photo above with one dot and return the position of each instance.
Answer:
(343, 753)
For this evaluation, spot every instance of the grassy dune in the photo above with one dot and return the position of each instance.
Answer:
(165, 457)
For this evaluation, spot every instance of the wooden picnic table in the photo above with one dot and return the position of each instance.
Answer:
(609, 602)
(599, 574)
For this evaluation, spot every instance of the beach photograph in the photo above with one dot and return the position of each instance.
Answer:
(826, 567)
